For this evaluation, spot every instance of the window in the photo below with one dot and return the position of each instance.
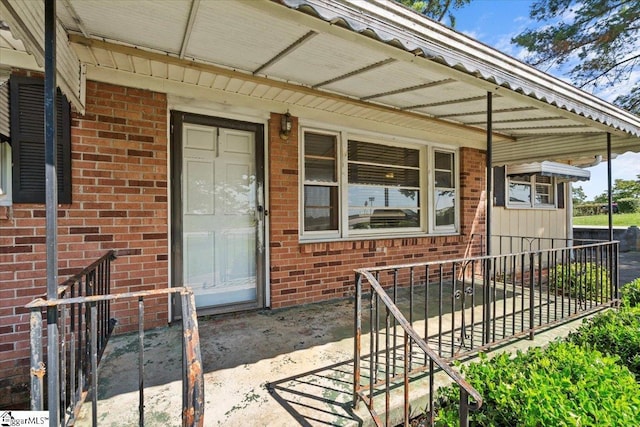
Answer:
(27, 142)
(444, 208)
(353, 186)
(320, 182)
(531, 191)
(384, 186)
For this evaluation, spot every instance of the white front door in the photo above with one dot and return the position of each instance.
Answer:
(221, 222)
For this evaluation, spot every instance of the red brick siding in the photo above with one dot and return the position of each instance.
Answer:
(119, 162)
(310, 272)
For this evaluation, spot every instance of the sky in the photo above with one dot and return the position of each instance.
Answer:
(495, 22)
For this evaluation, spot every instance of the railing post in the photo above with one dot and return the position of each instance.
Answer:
(486, 301)
(193, 383)
(94, 364)
(37, 364)
(141, 361)
(356, 341)
(531, 296)
(463, 410)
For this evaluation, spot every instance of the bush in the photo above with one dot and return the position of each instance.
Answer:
(630, 294)
(586, 209)
(562, 385)
(586, 281)
(629, 205)
(615, 332)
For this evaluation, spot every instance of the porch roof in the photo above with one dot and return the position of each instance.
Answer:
(375, 60)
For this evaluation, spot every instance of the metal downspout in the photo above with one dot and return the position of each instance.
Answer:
(51, 207)
(610, 210)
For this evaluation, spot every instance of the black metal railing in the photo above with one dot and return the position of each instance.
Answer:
(464, 306)
(85, 325)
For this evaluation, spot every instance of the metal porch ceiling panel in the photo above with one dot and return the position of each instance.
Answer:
(322, 58)
(7, 41)
(376, 83)
(239, 37)
(131, 22)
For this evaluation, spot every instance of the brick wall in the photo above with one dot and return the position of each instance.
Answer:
(119, 161)
(310, 272)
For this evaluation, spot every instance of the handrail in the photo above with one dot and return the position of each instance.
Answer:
(404, 324)
(484, 257)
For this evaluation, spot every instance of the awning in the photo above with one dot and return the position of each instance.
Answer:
(557, 170)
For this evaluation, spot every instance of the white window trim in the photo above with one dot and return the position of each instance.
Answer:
(532, 204)
(427, 169)
(5, 174)
(443, 229)
(329, 234)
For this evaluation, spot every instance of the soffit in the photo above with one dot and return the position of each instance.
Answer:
(371, 60)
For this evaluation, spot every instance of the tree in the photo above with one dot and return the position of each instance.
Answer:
(436, 9)
(577, 195)
(598, 39)
(622, 189)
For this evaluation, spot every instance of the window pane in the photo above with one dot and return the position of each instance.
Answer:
(444, 160)
(543, 194)
(368, 197)
(378, 218)
(519, 193)
(382, 175)
(445, 208)
(379, 153)
(320, 208)
(318, 170)
(320, 158)
(319, 145)
(444, 179)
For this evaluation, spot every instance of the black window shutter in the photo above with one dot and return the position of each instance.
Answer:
(498, 186)
(560, 195)
(27, 137)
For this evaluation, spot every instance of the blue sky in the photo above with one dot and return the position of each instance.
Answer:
(495, 22)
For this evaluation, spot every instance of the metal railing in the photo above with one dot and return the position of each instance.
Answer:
(85, 324)
(464, 306)
(508, 244)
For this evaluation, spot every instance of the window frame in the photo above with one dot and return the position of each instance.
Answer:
(422, 189)
(425, 204)
(448, 228)
(319, 234)
(5, 174)
(552, 185)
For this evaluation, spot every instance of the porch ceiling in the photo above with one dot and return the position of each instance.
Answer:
(373, 60)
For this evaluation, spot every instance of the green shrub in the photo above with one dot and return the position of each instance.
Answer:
(586, 209)
(630, 294)
(628, 205)
(562, 385)
(586, 281)
(615, 332)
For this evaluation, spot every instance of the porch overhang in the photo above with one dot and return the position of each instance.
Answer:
(560, 171)
(376, 61)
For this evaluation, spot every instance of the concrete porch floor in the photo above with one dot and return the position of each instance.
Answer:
(288, 367)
